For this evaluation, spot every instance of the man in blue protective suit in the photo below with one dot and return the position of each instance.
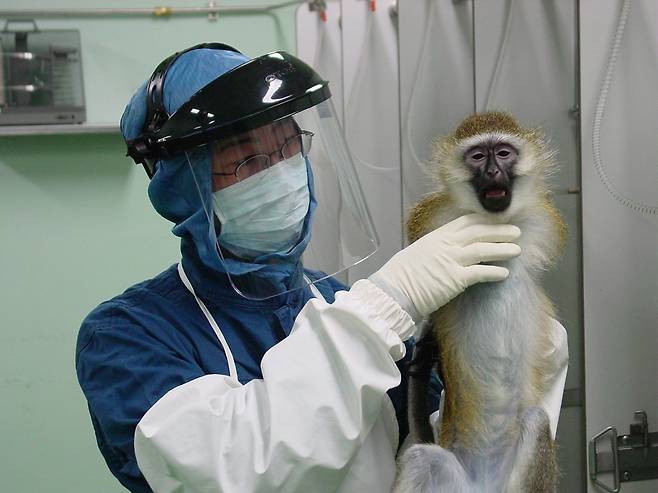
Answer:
(238, 369)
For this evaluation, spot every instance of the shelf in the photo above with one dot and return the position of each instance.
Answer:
(73, 128)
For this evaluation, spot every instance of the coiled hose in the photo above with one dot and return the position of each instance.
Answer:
(598, 120)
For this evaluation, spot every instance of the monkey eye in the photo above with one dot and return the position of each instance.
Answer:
(506, 152)
(477, 156)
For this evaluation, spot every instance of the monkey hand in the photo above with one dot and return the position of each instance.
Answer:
(442, 264)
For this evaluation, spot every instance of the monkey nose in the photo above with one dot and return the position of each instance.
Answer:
(492, 172)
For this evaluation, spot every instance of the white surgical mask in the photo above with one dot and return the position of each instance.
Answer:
(265, 212)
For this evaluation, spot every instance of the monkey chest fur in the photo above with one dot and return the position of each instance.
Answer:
(490, 338)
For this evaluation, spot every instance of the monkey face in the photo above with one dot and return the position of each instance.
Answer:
(492, 166)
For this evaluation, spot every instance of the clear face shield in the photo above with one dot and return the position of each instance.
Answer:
(280, 196)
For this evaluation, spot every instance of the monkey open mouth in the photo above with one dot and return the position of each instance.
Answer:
(496, 198)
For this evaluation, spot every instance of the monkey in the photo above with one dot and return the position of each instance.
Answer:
(498, 346)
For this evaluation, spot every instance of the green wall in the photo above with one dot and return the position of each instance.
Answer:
(77, 228)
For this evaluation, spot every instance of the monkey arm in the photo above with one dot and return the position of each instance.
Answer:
(425, 359)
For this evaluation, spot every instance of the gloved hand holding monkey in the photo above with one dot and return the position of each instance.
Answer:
(503, 356)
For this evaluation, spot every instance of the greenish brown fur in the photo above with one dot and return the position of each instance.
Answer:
(560, 225)
(460, 408)
(543, 479)
(419, 222)
(491, 121)
(461, 421)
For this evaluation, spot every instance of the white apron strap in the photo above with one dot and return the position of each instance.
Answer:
(233, 372)
(316, 292)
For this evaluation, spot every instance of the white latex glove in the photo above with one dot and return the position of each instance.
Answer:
(442, 264)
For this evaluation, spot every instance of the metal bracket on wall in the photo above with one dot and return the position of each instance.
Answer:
(393, 10)
(633, 457)
(212, 15)
(317, 5)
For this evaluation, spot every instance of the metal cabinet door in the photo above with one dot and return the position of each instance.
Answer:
(620, 244)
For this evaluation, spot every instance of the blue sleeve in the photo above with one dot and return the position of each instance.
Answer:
(123, 370)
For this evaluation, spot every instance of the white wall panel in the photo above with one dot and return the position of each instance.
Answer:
(319, 43)
(372, 119)
(356, 50)
(620, 245)
(436, 82)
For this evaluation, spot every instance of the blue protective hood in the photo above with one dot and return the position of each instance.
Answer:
(173, 190)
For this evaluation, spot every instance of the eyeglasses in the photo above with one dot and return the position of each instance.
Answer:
(300, 143)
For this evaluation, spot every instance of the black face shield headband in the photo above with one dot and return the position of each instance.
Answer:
(258, 92)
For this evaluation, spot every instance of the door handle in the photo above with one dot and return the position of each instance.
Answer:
(634, 457)
(601, 463)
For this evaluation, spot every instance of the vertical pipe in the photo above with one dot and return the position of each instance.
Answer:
(475, 103)
(3, 83)
(581, 276)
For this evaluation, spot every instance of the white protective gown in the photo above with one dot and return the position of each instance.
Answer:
(318, 421)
